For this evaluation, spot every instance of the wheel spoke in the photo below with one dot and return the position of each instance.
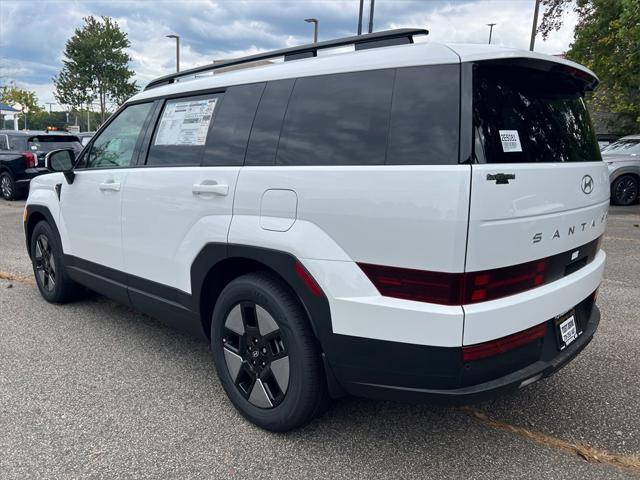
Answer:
(38, 249)
(41, 276)
(234, 362)
(235, 321)
(51, 281)
(258, 395)
(45, 243)
(266, 323)
(280, 371)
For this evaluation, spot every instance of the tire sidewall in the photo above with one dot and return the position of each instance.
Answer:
(302, 374)
(43, 228)
(12, 195)
(616, 201)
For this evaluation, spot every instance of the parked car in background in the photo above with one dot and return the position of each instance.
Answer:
(623, 160)
(22, 158)
(605, 139)
(85, 137)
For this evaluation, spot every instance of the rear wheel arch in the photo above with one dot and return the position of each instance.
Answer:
(217, 265)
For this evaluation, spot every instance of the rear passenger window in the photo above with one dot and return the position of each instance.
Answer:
(340, 119)
(268, 122)
(227, 141)
(181, 134)
(424, 116)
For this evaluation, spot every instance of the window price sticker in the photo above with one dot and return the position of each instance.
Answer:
(185, 123)
(510, 141)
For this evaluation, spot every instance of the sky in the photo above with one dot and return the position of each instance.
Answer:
(33, 33)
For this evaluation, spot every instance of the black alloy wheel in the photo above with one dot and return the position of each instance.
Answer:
(44, 264)
(266, 354)
(46, 258)
(256, 355)
(625, 190)
(7, 186)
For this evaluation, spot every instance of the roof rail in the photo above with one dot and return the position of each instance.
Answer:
(361, 42)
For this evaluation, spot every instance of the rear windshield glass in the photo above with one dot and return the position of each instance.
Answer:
(623, 147)
(528, 116)
(51, 142)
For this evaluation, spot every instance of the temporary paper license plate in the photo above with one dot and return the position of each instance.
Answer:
(567, 329)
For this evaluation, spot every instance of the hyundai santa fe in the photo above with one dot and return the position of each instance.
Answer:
(388, 219)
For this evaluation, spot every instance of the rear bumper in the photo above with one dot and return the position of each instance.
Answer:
(457, 376)
(23, 180)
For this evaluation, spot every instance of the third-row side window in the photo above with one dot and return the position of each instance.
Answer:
(407, 116)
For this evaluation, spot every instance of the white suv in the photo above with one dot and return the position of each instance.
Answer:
(369, 216)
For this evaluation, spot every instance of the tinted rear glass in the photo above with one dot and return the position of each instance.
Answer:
(424, 116)
(338, 119)
(47, 143)
(528, 116)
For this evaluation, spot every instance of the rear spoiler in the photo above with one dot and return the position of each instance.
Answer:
(582, 80)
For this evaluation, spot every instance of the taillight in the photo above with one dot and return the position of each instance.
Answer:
(30, 160)
(502, 282)
(455, 288)
(419, 285)
(504, 344)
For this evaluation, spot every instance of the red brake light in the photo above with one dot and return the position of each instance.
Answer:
(455, 288)
(29, 159)
(419, 285)
(504, 344)
(502, 282)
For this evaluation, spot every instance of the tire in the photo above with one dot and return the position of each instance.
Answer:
(7, 186)
(266, 354)
(624, 190)
(48, 268)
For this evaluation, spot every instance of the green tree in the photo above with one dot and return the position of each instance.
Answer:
(27, 100)
(607, 40)
(96, 66)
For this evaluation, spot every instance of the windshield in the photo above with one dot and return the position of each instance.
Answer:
(623, 147)
(528, 116)
(49, 142)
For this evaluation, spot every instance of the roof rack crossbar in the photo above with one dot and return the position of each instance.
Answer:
(377, 39)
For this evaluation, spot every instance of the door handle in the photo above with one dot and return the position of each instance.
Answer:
(220, 189)
(109, 185)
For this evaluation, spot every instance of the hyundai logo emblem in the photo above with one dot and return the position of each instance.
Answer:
(587, 184)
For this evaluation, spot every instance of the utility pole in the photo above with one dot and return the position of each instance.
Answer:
(177, 37)
(371, 7)
(490, 25)
(315, 28)
(50, 103)
(88, 118)
(534, 28)
(360, 17)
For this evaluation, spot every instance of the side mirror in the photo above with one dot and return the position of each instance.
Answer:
(61, 161)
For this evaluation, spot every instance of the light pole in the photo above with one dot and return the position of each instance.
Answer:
(315, 27)
(360, 17)
(535, 26)
(371, 7)
(177, 37)
(490, 25)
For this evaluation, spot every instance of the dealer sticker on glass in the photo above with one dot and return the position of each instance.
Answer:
(510, 141)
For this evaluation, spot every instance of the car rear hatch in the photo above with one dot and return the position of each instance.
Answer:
(539, 188)
(40, 145)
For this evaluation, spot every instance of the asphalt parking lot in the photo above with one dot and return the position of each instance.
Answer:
(94, 389)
